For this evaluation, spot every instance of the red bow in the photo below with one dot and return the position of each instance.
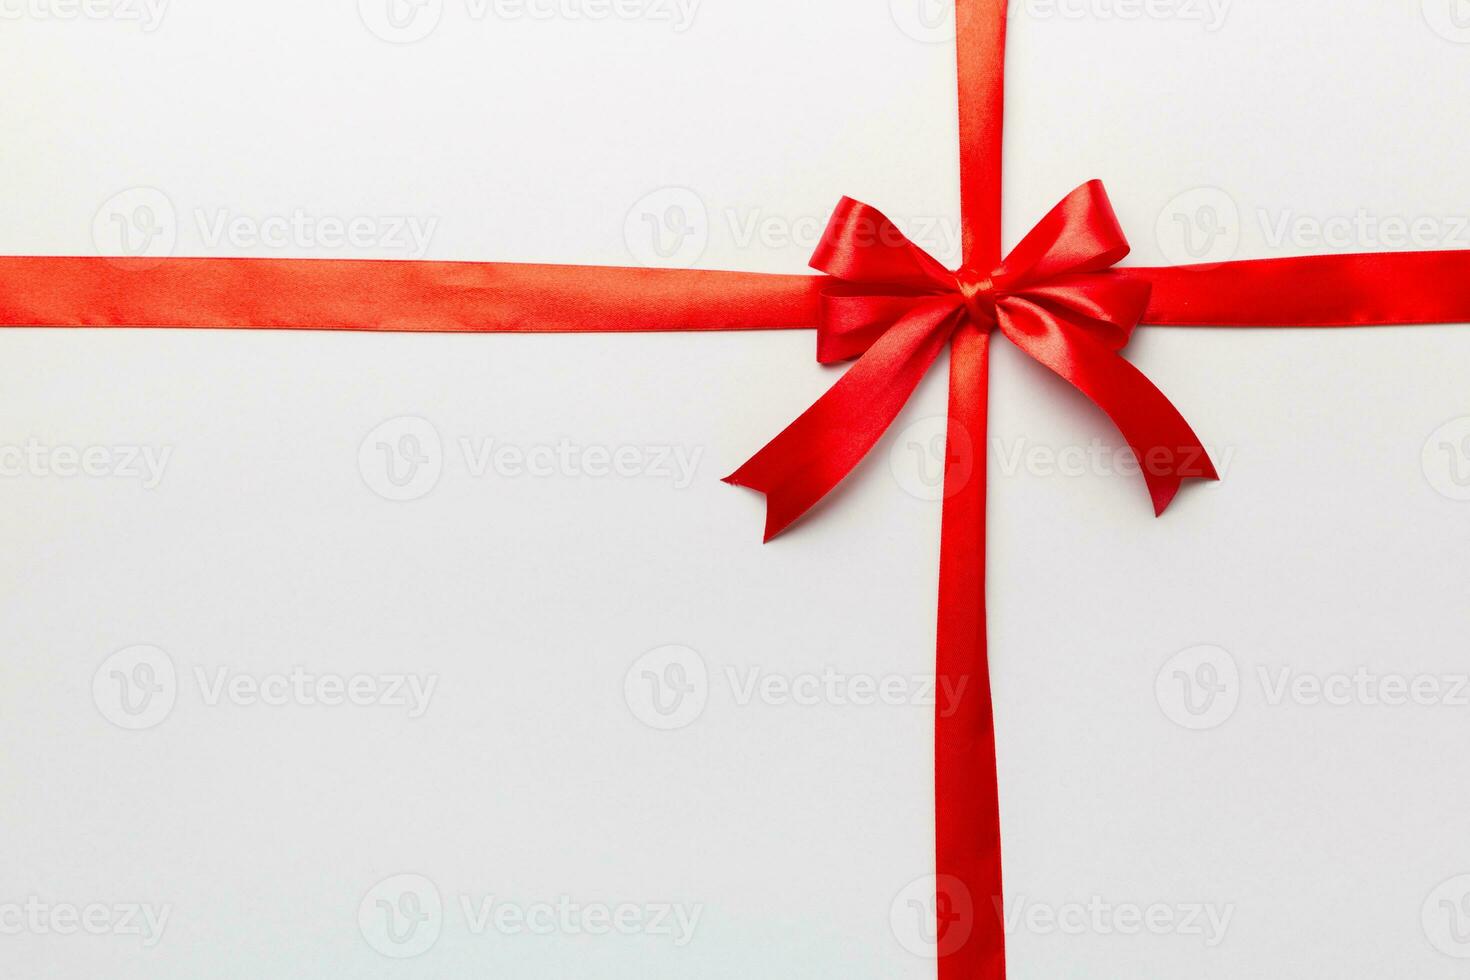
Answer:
(897, 307)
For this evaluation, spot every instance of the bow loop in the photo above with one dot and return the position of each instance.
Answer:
(1081, 234)
(1106, 305)
(850, 321)
(861, 245)
(894, 307)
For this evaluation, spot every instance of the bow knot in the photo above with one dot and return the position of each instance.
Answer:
(894, 307)
(979, 292)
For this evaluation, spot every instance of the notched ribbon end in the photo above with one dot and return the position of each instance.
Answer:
(1164, 487)
(775, 523)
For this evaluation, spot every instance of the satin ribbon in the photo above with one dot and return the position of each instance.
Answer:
(1057, 298)
(359, 294)
(1373, 289)
(1053, 297)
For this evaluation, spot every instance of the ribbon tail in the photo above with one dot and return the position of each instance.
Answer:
(1167, 449)
(806, 461)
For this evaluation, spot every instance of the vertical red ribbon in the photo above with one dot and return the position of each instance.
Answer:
(966, 801)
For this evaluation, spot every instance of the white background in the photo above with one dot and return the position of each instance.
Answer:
(1338, 541)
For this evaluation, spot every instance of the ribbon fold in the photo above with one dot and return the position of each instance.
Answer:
(895, 307)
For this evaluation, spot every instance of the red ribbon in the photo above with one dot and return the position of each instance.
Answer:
(1057, 297)
(1053, 297)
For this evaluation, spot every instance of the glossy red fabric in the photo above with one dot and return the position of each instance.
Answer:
(967, 843)
(1383, 289)
(1372, 289)
(896, 307)
(338, 294)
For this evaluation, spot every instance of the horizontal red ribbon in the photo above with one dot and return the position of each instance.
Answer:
(352, 294)
(1380, 289)
(1356, 290)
